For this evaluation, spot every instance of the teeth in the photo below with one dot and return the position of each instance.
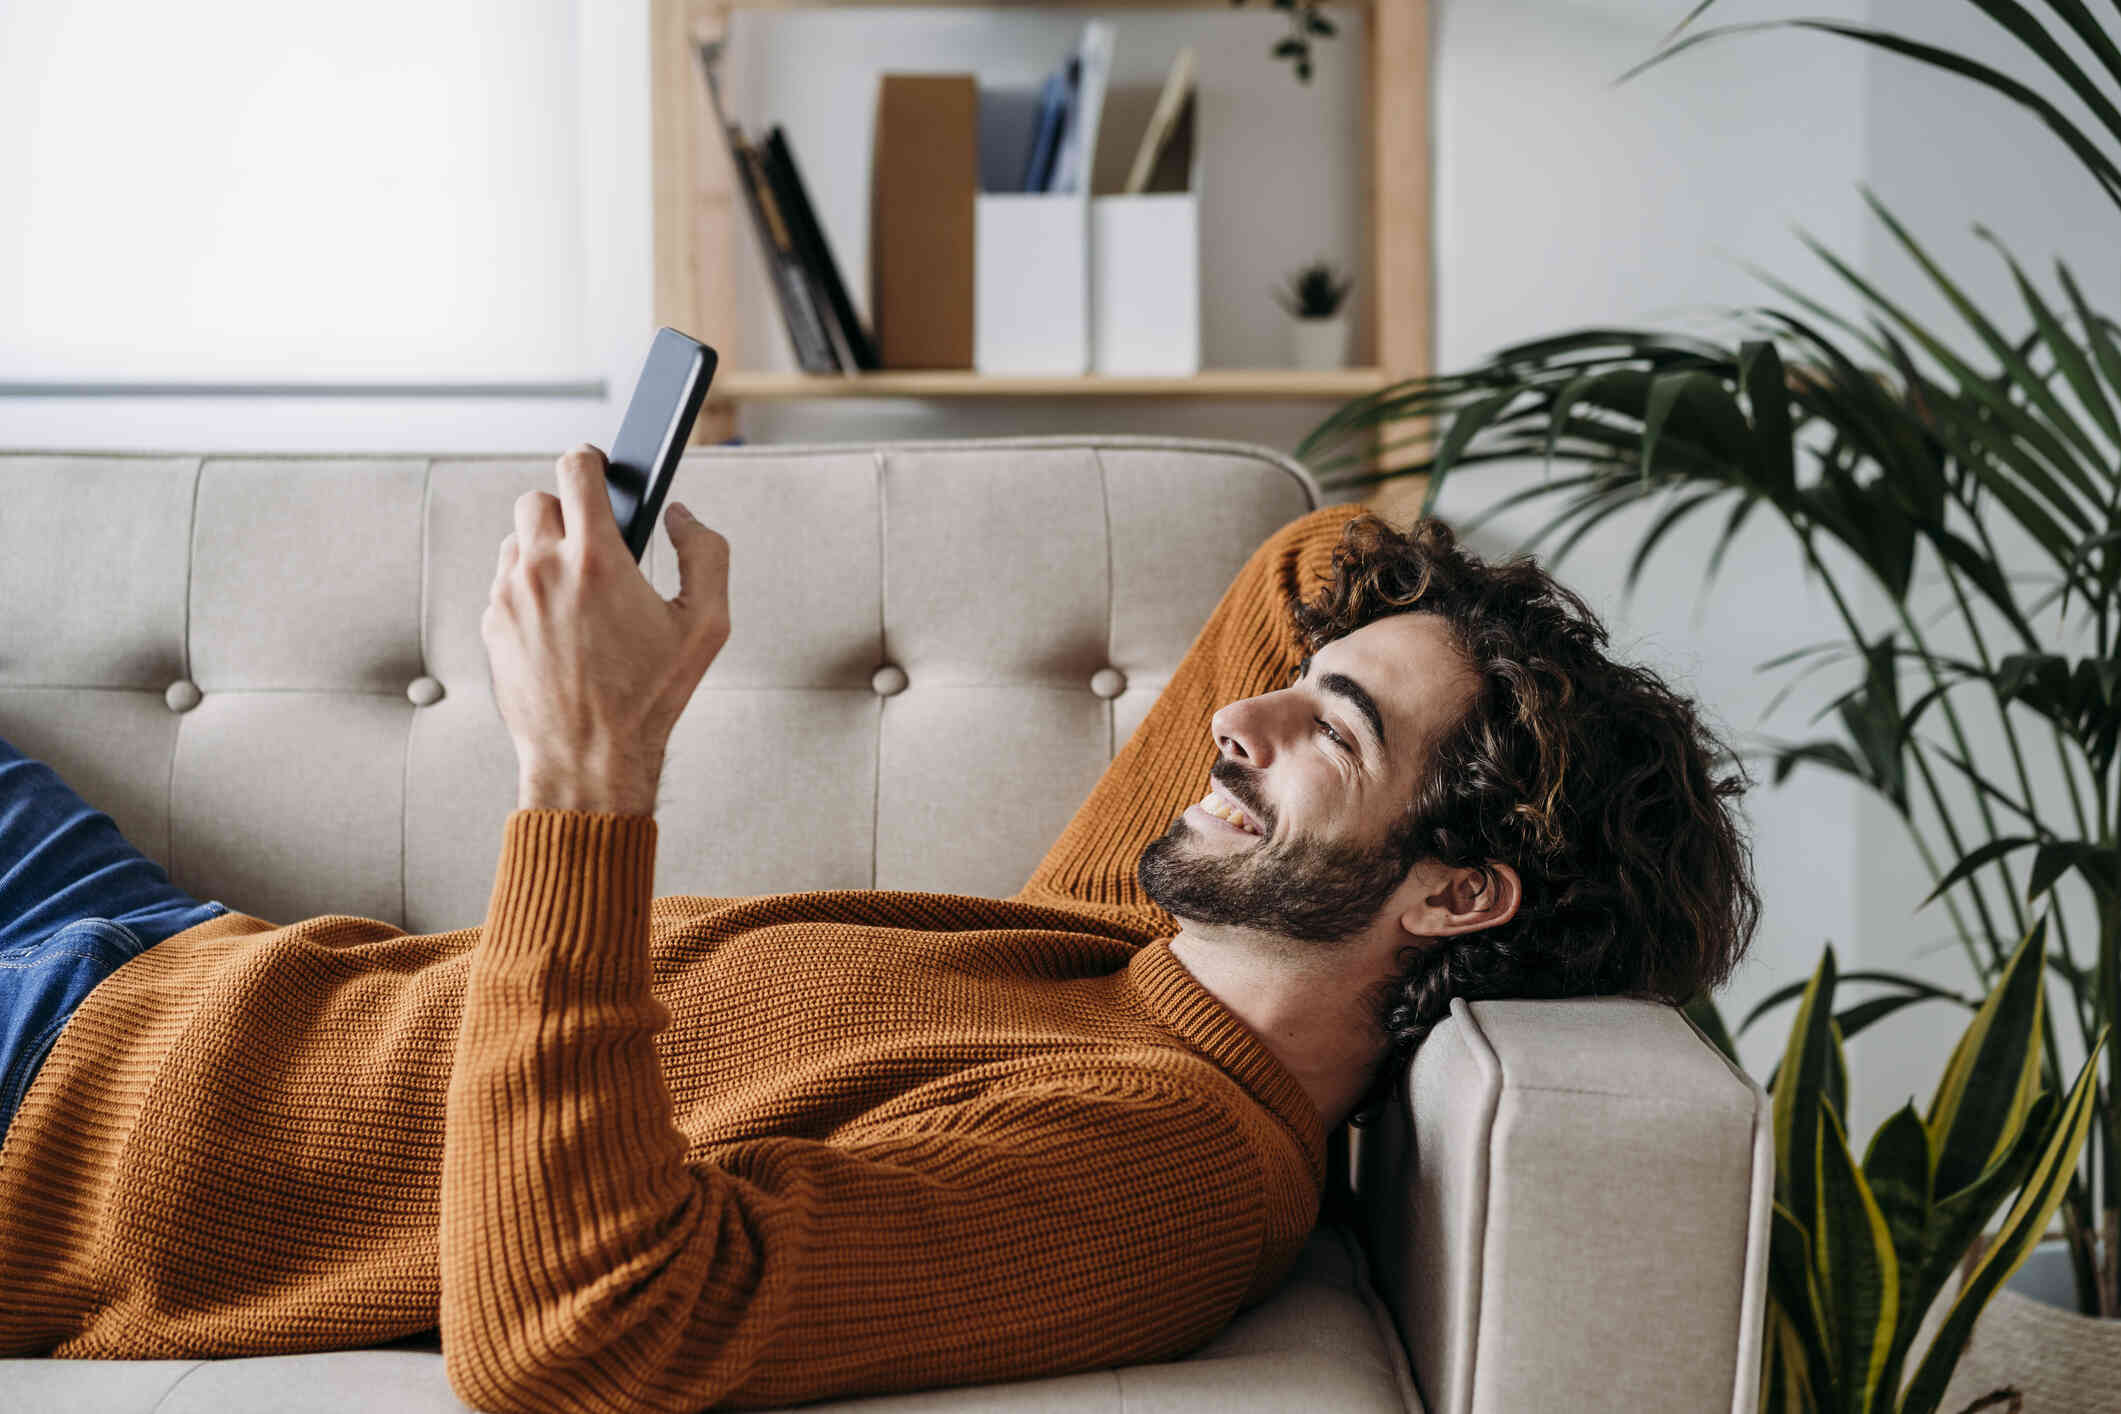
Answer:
(1222, 809)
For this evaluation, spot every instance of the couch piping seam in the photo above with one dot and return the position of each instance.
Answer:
(163, 1399)
(412, 723)
(876, 778)
(1104, 501)
(191, 555)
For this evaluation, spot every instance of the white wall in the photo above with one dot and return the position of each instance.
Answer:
(1561, 200)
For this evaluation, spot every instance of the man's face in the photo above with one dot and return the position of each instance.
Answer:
(1323, 772)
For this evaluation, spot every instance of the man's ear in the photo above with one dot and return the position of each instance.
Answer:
(1442, 901)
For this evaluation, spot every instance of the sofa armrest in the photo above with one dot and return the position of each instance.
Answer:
(1571, 1212)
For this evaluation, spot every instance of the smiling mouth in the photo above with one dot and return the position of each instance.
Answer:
(1230, 813)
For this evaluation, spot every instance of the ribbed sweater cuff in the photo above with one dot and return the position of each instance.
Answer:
(573, 889)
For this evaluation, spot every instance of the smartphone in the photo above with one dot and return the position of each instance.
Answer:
(644, 456)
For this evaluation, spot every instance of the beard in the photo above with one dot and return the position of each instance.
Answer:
(1305, 889)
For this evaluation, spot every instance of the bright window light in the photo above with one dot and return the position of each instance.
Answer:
(234, 190)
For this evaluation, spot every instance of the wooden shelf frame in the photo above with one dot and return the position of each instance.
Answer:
(698, 220)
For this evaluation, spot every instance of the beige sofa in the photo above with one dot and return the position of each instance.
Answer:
(1572, 1213)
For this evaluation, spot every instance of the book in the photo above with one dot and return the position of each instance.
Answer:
(1164, 160)
(922, 182)
(1053, 103)
(806, 322)
(852, 343)
(806, 331)
(1078, 145)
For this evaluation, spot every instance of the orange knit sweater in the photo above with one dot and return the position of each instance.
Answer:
(635, 1153)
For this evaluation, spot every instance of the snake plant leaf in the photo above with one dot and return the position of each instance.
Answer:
(1768, 395)
(1784, 1380)
(1859, 1276)
(1834, 1090)
(1993, 1075)
(1975, 859)
(1896, 1165)
(1709, 1022)
(1793, 1288)
(2095, 862)
(1851, 1022)
(1804, 1074)
(2021, 1231)
(1956, 1219)
(1912, 986)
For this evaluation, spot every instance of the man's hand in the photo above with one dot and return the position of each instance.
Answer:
(591, 667)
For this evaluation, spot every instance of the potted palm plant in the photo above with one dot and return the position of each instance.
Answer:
(1914, 458)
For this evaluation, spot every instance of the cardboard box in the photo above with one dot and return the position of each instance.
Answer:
(923, 180)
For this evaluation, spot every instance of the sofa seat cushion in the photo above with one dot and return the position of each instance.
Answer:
(1322, 1341)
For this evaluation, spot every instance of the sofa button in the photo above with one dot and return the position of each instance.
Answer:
(182, 695)
(424, 692)
(1108, 682)
(888, 681)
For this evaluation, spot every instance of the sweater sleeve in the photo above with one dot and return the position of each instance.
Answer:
(1056, 1221)
(1248, 646)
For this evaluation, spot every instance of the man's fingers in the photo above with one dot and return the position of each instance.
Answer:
(537, 519)
(584, 501)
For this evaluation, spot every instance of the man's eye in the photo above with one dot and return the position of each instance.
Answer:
(1327, 728)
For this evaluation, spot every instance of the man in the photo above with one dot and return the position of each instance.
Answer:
(636, 1153)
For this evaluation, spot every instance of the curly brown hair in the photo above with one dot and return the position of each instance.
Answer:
(1592, 779)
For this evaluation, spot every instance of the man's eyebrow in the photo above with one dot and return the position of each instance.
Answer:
(1341, 685)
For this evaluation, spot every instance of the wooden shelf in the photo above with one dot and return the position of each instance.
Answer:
(739, 385)
(698, 220)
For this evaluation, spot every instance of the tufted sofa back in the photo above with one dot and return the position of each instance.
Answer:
(268, 669)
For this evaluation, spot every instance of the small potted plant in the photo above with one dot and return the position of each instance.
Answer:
(1316, 298)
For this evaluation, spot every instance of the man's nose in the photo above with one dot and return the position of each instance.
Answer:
(1243, 731)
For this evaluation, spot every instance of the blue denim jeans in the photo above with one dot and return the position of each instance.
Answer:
(76, 903)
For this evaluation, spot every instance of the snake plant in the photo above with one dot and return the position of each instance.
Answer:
(1859, 1251)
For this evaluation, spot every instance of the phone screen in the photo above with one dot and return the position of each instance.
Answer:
(644, 456)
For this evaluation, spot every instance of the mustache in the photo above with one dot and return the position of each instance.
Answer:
(1235, 783)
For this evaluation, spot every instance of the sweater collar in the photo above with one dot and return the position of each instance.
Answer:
(1175, 997)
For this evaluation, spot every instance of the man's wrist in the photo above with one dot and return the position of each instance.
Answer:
(613, 790)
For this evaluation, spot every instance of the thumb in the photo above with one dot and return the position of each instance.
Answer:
(703, 565)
